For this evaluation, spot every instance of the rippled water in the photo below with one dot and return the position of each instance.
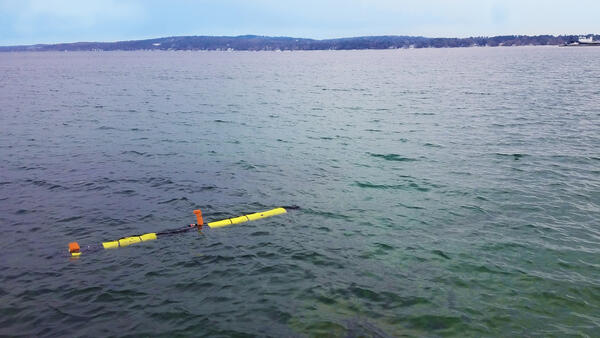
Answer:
(442, 192)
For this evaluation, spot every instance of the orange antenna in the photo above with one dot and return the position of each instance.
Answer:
(199, 220)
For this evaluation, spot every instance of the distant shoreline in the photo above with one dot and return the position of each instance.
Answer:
(267, 43)
(268, 51)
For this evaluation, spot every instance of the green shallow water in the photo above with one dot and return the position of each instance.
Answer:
(443, 192)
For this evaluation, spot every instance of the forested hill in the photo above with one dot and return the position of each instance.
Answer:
(254, 42)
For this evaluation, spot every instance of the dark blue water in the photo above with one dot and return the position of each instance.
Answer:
(443, 192)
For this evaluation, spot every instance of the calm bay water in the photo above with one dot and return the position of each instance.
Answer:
(442, 192)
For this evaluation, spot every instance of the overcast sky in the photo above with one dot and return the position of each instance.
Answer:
(48, 21)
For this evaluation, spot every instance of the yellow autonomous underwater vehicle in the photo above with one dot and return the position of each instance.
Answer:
(76, 250)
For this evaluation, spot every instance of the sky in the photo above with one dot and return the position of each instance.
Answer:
(52, 21)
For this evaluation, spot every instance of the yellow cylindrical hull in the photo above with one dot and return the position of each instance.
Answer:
(246, 218)
(129, 240)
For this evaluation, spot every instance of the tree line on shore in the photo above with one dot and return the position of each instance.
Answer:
(256, 43)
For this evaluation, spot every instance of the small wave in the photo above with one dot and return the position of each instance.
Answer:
(402, 139)
(245, 165)
(515, 156)
(158, 181)
(474, 208)
(173, 200)
(126, 192)
(476, 93)
(378, 186)
(434, 322)
(337, 89)
(45, 184)
(441, 254)
(202, 188)
(384, 247)
(327, 214)
(367, 294)
(410, 206)
(134, 152)
(69, 219)
(317, 259)
(412, 185)
(393, 157)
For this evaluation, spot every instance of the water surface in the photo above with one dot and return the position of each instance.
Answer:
(443, 192)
